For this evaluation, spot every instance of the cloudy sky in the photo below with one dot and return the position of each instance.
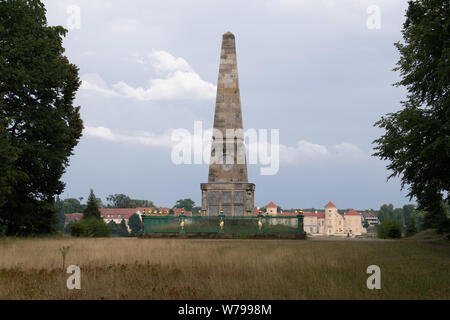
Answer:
(320, 71)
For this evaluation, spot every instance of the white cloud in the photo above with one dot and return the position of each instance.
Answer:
(142, 138)
(164, 61)
(180, 81)
(178, 85)
(301, 153)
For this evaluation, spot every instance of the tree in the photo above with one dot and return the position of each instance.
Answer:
(114, 228)
(408, 212)
(417, 138)
(37, 90)
(8, 155)
(118, 201)
(134, 203)
(91, 210)
(122, 230)
(135, 224)
(411, 230)
(90, 227)
(389, 229)
(386, 212)
(186, 204)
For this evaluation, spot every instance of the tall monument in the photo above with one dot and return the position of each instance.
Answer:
(228, 188)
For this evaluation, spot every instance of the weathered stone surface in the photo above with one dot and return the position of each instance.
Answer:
(228, 180)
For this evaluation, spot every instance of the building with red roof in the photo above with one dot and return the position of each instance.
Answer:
(327, 222)
(330, 205)
(119, 214)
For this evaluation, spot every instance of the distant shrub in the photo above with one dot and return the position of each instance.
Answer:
(91, 227)
(411, 230)
(389, 229)
(76, 229)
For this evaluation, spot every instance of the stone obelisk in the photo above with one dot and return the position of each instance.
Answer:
(228, 189)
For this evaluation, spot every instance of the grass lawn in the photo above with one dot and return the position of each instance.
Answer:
(130, 268)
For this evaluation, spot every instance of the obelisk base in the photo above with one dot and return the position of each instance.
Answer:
(235, 198)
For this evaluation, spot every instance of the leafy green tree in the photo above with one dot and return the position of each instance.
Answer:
(119, 201)
(134, 203)
(386, 212)
(114, 228)
(186, 204)
(76, 229)
(8, 155)
(90, 227)
(412, 229)
(417, 138)
(91, 210)
(389, 229)
(135, 224)
(408, 212)
(122, 229)
(37, 90)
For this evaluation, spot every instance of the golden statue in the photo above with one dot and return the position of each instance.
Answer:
(222, 223)
(260, 224)
(182, 224)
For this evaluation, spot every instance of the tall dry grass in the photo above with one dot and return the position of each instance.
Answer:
(222, 269)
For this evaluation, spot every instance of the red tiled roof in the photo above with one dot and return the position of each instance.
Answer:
(330, 204)
(271, 205)
(73, 217)
(352, 212)
(368, 214)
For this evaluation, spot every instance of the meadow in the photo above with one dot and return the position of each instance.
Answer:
(130, 268)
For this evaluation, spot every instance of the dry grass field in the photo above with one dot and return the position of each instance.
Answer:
(223, 269)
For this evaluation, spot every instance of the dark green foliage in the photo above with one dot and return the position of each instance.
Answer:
(70, 205)
(135, 224)
(91, 210)
(186, 204)
(411, 230)
(122, 230)
(37, 89)
(119, 201)
(417, 138)
(76, 229)
(134, 203)
(114, 228)
(389, 229)
(90, 227)
(8, 155)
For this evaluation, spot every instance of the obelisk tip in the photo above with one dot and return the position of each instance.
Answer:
(228, 35)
